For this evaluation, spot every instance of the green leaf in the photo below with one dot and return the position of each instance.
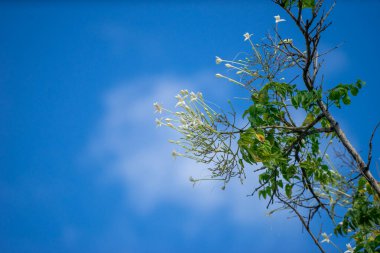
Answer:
(280, 183)
(288, 190)
(305, 3)
(309, 118)
(308, 3)
(354, 90)
(346, 99)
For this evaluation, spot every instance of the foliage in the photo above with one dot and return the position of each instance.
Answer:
(294, 170)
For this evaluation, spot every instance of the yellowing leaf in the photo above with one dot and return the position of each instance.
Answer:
(309, 118)
(260, 137)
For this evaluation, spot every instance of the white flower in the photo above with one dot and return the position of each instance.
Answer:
(247, 36)
(157, 107)
(349, 248)
(218, 60)
(168, 119)
(228, 65)
(278, 19)
(326, 238)
(158, 122)
(219, 75)
(170, 125)
(200, 95)
(181, 103)
(179, 98)
(193, 96)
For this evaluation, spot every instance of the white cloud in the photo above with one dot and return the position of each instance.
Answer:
(131, 149)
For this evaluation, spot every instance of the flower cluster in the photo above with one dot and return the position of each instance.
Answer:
(326, 239)
(204, 134)
(270, 58)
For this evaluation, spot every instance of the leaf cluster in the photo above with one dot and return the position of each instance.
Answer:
(362, 220)
(340, 93)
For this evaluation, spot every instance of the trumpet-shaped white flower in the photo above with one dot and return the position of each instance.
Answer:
(219, 75)
(193, 96)
(218, 60)
(349, 248)
(279, 19)
(247, 36)
(181, 103)
(228, 65)
(326, 238)
(157, 107)
(158, 122)
(179, 98)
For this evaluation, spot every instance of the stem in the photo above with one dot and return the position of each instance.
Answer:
(304, 224)
(363, 168)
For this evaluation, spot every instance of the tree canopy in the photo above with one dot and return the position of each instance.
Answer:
(294, 170)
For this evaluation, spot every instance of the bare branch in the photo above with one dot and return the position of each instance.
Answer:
(370, 146)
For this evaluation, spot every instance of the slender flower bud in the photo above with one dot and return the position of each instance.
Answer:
(184, 92)
(175, 154)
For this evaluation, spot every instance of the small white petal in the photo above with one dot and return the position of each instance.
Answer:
(181, 103)
(278, 19)
(157, 107)
(158, 122)
(247, 36)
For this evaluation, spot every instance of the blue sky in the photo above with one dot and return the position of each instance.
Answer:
(83, 166)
